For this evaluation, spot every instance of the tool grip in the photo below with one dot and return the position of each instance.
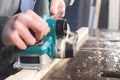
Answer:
(69, 2)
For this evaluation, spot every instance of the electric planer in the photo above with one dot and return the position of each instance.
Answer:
(60, 42)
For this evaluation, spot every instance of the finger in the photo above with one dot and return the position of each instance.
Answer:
(16, 40)
(58, 16)
(35, 25)
(57, 8)
(47, 30)
(53, 7)
(60, 13)
(25, 34)
(10, 35)
(39, 36)
(29, 16)
(44, 33)
(39, 29)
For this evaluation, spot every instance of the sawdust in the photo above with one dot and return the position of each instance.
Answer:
(101, 52)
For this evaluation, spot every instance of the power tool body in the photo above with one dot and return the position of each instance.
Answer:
(60, 42)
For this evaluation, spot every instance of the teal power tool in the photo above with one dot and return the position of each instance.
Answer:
(60, 42)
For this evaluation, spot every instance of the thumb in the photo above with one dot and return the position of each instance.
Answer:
(53, 7)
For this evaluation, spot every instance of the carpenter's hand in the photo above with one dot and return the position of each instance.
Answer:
(16, 31)
(57, 9)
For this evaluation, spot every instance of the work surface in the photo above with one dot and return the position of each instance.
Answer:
(101, 52)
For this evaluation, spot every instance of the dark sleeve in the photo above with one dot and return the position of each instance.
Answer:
(1, 44)
(7, 54)
(3, 21)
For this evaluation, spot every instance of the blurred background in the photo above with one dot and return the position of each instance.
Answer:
(93, 14)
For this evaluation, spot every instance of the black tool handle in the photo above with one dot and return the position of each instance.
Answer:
(69, 2)
(42, 7)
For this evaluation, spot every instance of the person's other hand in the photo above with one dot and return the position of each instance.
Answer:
(57, 9)
(16, 31)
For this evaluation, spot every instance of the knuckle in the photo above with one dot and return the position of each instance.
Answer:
(15, 25)
(28, 12)
(48, 29)
(62, 3)
(63, 14)
(21, 46)
(42, 27)
(20, 17)
(31, 42)
(41, 30)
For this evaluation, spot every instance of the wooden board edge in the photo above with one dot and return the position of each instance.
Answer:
(97, 13)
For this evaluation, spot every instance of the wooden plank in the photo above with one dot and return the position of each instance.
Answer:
(97, 13)
(83, 35)
(58, 66)
(38, 75)
(26, 74)
(113, 22)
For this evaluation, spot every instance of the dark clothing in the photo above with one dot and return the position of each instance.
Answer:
(77, 15)
(7, 56)
(9, 7)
